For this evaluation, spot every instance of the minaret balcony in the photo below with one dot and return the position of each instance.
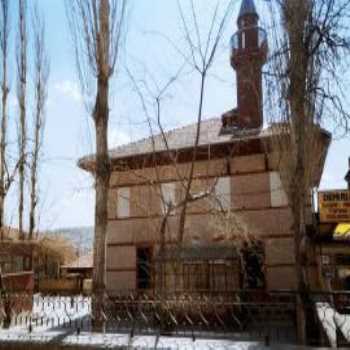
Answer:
(248, 56)
(249, 38)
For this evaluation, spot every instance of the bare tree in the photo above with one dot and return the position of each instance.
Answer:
(310, 40)
(41, 65)
(21, 96)
(4, 37)
(198, 55)
(97, 28)
(202, 54)
(199, 58)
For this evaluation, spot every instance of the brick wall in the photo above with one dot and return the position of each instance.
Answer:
(19, 282)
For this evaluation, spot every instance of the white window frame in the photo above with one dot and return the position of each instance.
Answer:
(243, 40)
(223, 193)
(123, 202)
(277, 193)
(168, 195)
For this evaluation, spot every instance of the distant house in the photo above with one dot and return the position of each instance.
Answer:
(41, 257)
(83, 265)
(53, 251)
(15, 254)
(239, 235)
(80, 269)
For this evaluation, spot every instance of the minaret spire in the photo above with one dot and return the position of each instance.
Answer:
(248, 55)
(247, 8)
(347, 176)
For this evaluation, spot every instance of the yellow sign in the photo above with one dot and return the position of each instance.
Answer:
(342, 231)
(334, 206)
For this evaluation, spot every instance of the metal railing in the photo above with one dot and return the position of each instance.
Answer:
(241, 315)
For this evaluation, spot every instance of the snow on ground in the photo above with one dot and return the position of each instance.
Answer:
(332, 320)
(57, 319)
(343, 323)
(106, 341)
(52, 313)
(326, 316)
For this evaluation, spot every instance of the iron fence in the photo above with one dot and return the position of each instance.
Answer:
(241, 315)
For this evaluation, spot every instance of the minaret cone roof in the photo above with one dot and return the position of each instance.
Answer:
(247, 8)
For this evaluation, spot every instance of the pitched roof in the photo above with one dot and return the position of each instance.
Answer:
(180, 138)
(177, 138)
(247, 8)
(83, 262)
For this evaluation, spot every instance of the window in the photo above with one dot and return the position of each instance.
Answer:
(18, 263)
(278, 194)
(168, 196)
(342, 259)
(243, 40)
(253, 257)
(123, 203)
(224, 275)
(342, 266)
(213, 275)
(7, 265)
(144, 261)
(196, 276)
(223, 193)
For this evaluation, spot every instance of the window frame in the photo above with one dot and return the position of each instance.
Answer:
(165, 195)
(123, 196)
(150, 280)
(223, 195)
(278, 196)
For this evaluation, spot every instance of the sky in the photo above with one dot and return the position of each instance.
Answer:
(150, 57)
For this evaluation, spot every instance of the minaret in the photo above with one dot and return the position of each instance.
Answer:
(347, 176)
(248, 55)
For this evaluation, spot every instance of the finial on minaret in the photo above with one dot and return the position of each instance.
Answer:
(347, 176)
(247, 8)
(248, 55)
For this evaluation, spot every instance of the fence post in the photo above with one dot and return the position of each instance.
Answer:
(267, 341)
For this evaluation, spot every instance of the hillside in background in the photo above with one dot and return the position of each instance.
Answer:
(82, 237)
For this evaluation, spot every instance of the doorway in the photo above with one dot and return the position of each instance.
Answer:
(144, 267)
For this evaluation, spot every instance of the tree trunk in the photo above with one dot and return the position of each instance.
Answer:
(33, 181)
(3, 147)
(296, 14)
(41, 66)
(102, 177)
(183, 213)
(102, 174)
(22, 82)
(101, 117)
(4, 90)
(97, 30)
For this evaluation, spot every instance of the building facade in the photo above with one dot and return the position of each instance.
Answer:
(237, 231)
(333, 237)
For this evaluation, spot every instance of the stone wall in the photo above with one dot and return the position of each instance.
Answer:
(257, 201)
